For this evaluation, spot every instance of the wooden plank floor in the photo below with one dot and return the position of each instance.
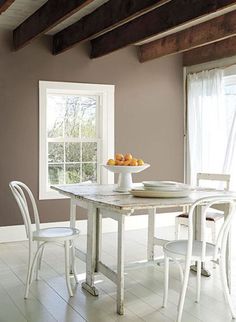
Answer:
(49, 300)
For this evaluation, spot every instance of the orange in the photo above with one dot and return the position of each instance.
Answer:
(127, 162)
(128, 156)
(133, 162)
(140, 162)
(111, 162)
(119, 162)
(119, 157)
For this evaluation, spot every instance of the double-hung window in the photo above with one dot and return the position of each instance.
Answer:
(76, 134)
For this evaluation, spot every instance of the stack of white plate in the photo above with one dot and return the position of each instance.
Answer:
(162, 189)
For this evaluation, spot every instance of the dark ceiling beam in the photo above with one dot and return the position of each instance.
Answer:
(45, 18)
(109, 15)
(174, 14)
(205, 33)
(5, 4)
(218, 50)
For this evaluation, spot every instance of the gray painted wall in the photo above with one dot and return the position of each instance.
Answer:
(148, 113)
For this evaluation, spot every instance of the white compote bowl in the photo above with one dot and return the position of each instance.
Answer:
(125, 182)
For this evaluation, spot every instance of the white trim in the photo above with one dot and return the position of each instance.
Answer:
(17, 233)
(106, 127)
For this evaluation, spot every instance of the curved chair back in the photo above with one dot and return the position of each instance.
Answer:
(205, 204)
(21, 192)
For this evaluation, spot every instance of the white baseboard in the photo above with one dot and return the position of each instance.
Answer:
(17, 233)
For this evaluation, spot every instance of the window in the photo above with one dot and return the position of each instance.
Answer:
(211, 115)
(76, 134)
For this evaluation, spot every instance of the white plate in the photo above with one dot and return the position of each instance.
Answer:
(166, 185)
(168, 188)
(160, 194)
(162, 183)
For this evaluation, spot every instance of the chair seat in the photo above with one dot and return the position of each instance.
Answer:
(179, 248)
(56, 234)
(211, 216)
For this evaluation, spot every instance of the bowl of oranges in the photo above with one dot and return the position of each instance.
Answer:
(125, 165)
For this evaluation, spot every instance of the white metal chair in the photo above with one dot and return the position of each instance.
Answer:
(62, 235)
(200, 251)
(213, 217)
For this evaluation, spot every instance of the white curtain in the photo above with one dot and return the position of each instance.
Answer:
(211, 134)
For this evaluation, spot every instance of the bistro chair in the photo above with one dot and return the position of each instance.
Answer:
(213, 216)
(200, 251)
(61, 235)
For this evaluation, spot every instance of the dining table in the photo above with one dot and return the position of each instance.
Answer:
(102, 201)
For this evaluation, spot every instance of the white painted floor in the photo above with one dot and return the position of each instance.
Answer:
(49, 300)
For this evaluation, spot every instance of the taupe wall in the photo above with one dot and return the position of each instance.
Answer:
(148, 113)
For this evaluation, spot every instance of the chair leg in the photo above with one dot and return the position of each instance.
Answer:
(39, 261)
(213, 233)
(183, 293)
(28, 274)
(35, 262)
(166, 281)
(67, 267)
(177, 229)
(41, 258)
(225, 284)
(198, 280)
(73, 266)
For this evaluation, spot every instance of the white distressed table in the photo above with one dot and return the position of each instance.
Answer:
(101, 202)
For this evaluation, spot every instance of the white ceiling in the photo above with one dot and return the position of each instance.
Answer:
(22, 9)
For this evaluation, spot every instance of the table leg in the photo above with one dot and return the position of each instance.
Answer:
(98, 239)
(198, 231)
(72, 213)
(120, 265)
(228, 262)
(88, 285)
(151, 233)
(72, 225)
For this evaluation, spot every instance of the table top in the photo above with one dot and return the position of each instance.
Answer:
(105, 196)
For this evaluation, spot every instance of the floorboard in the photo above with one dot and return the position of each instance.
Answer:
(49, 301)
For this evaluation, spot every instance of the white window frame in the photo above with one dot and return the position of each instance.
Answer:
(105, 135)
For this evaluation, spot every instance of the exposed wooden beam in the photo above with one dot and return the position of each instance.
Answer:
(174, 13)
(45, 18)
(218, 50)
(5, 4)
(106, 17)
(208, 32)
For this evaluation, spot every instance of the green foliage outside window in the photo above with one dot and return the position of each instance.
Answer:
(71, 117)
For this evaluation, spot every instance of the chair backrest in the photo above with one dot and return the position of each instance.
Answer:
(205, 204)
(21, 192)
(216, 177)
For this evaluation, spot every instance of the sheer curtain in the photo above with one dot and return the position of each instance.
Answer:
(211, 128)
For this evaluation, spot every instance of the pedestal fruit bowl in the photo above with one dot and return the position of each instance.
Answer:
(125, 175)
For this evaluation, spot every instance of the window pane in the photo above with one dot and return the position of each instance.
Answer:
(73, 152)
(89, 172)
(89, 152)
(73, 173)
(88, 116)
(55, 152)
(55, 115)
(72, 116)
(55, 174)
